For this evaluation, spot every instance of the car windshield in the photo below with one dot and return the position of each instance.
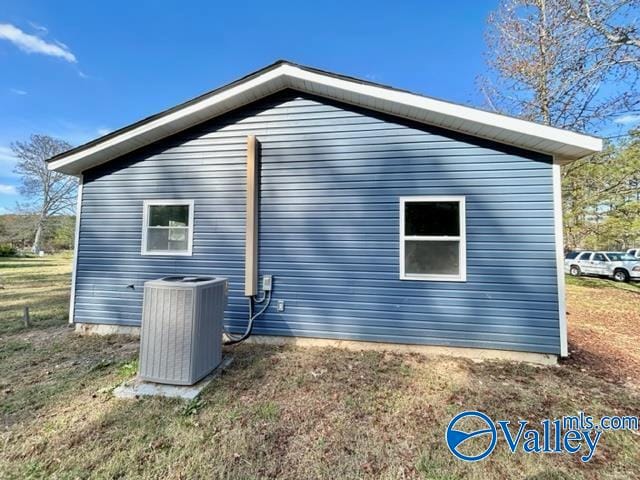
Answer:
(619, 257)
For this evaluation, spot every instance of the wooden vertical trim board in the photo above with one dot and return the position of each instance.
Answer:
(251, 224)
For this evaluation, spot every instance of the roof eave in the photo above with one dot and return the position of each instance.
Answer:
(559, 143)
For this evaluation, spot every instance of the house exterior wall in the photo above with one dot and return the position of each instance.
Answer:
(331, 179)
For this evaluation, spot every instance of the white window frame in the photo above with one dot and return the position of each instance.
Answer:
(461, 239)
(145, 227)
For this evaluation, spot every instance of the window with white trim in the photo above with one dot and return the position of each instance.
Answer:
(167, 227)
(433, 238)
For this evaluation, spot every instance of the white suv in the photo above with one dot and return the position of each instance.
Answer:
(622, 267)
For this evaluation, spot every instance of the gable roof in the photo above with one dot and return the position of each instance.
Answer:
(564, 145)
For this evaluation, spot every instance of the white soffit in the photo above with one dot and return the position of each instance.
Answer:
(564, 145)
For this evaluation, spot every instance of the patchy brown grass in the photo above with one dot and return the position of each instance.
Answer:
(284, 412)
(604, 328)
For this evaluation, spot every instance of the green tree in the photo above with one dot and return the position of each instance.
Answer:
(602, 198)
(17, 230)
(62, 234)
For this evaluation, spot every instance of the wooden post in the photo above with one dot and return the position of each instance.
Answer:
(25, 317)
(252, 212)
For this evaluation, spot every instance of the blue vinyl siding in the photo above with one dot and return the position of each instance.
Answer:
(331, 180)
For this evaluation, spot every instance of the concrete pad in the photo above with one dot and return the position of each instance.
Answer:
(137, 388)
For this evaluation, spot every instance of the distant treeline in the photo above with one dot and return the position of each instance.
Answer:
(16, 233)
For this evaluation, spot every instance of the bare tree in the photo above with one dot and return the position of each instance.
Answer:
(572, 64)
(48, 193)
(569, 63)
(615, 21)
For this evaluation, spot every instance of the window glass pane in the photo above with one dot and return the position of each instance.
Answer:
(178, 234)
(620, 257)
(432, 218)
(585, 256)
(157, 239)
(178, 245)
(431, 257)
(168, 215)
(167, 239)
(598, 257)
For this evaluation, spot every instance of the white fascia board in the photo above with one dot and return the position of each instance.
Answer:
(197, 110)
(453, 111)
(500, 128)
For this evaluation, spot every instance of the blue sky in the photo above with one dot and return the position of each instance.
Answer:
(78, 69)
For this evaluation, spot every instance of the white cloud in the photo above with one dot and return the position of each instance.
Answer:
(6, 154)
(18, 91)
(627, 119)
(39, 28)
(33, 44)
(103, 131)
(7, 189)
(64, 46)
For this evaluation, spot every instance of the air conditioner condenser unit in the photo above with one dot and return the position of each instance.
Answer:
(181, 336)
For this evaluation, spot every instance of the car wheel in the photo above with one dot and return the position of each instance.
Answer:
(574, 271)
(620, 276)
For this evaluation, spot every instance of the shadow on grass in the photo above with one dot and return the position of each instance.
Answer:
(286, 412)
(27, 262)
(35, 376)
(601, 283)
(13, 326)
(17, 264)
(48, 297)
(42, 278)
(44, 311)
(265, 414)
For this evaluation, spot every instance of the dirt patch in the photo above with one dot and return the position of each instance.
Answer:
(604, 332)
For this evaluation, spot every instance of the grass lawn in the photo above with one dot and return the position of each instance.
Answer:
(42, 283)
(299, 413)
